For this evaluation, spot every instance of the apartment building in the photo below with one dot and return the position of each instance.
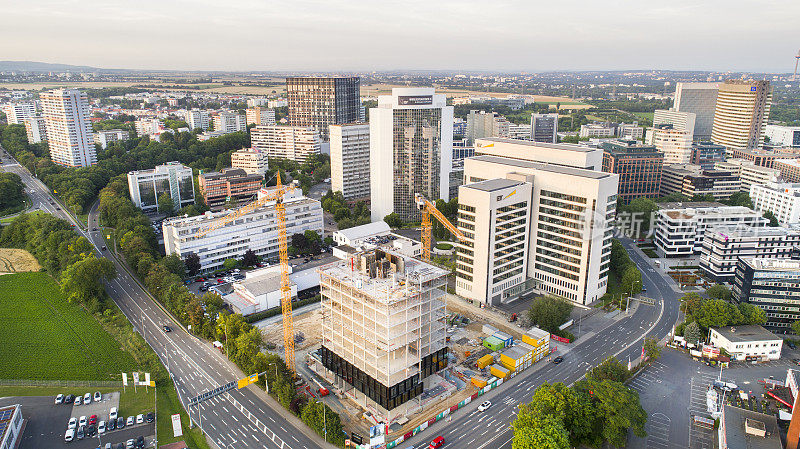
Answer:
(350, 160)
(172, 178)
(766, 158)
(675, 144)
(748, 173)
(260, 116)
(411, 150)
(699, 99)
(680, 121)
(723, 246)
(564, 154)
(107, 136)
(741, 114)
(569, 242)
(198, 118)
(544, 128)
(691, 180)
(782, 199)
(706, 154)
(771, 284)
(318, 102)
(783, 136)
(383, 330)
(638, 166)
(519, 132)
(679, 230)
(230, 185)
(36, 129)
(789, 168)
(230, 122)
(149, 127)
(18, 113)
(252, 161)
(257, 101)
(296, 143)
(257, 230)
(69, 127)
(630, 131)
(597, 130)
(485, 124)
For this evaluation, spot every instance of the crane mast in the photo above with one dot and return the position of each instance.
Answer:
(427, 208)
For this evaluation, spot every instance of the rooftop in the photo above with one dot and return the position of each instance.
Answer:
(744, 231)
(740, 425)
(366, 230)
(529, 143)
(6, 414)
(771, 264)
(582, 172)
(230, 173)
(688, 213)
(742, 334)
(263, 284)
(493, 184)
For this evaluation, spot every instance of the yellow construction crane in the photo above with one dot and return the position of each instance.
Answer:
(427, 208)
(276, 195)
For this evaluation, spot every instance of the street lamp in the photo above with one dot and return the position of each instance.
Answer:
(629, 297)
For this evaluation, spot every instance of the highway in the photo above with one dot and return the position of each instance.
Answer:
(245, 418)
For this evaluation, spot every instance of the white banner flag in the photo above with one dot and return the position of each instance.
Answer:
(125, 379)
(146, 378)
(177, 430)
(136, 378)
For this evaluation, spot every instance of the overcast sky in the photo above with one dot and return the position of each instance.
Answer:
(496, 35)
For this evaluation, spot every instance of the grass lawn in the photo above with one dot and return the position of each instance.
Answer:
(8, 220)
(644, 115)
(651, 253)
(45, 337)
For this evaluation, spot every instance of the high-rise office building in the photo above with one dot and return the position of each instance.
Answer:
(783, 136)
(69, 128)
(230, 184)
(706, 154)
(674, 143)
(773, 285)
(322, 101)
(260, 116)
(17, 113)
(741, 114)
(411, 151)
(296, 143)
(782, 199)
(701, 100)
(350, 160)
(749, 173)
(638, 166)
(680, 121)
(36, 129)
(544, 128)
(691, 180)
(566, 154)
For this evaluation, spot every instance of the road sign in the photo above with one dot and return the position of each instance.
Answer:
(125, 379)
(251, 379)
(211, 393)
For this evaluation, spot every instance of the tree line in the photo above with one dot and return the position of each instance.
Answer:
(12, 193)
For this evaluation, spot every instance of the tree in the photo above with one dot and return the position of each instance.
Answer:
(250, 258)
(166, 205)
(175, 265)
(773, 220)
(324, 421)
(230, 264)
(393, 220)
(718, 313)
(796, 327)
(719, 291)
(739, 199)
(692, 333)
(192, 262)
(752, 314)
(618, 410)
(651, 348)
(692, 304)
(550, 312)
(300, 242)
(609, 369)
(641, 209)
(82, 282)
(631, 280)
(556, 417)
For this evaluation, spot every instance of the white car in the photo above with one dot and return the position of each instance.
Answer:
(70, 435)
(87, 399)
(82, 421)
(139, 418)
(60, 399)
(112, 415)
(77, 400)
(97, 396)
(130, 421)
(101, 427)
(73, 423)
(485, 406)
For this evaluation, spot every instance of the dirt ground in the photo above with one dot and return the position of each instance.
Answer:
(479, 316)
(310, 324)
(17, 260)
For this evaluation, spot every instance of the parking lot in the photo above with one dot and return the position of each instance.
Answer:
(46, 423)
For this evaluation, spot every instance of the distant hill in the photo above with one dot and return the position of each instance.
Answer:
(32, 66)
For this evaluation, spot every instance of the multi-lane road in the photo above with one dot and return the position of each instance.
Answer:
(244, 418)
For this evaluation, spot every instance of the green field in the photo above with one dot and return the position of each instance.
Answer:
(644, 115)
(45, 337)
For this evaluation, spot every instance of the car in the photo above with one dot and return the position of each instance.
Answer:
(82, 421)
(120, 422)
(80, 433)
(78, 400)
(87, 398)
(150, 417)
(558, 360)
(69, 399)
(60, 399)
(130, 444)
(69, 435)
(436, 443)
(167, 329)
(108, 446)
(791, 344)
(131, 421)
(93, 419)
(140, 442)
(91, 430)
(112, 414)
(101, 427)
(484, 406)
(203, 288)
(98, 396)
(103, 248)
(73, 423)
(139, 418)
(94, 229)
(111, 425)
(220, 281)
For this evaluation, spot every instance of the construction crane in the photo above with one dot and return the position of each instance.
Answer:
(427, 208)
(276, 195)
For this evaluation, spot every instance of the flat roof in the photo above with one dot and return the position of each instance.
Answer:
(750, 332)
(263, 284)
(686, 204)
(530, 143)
(582, 172)
(365, 230)
(738, 438)
(772, 264)
(491, 185)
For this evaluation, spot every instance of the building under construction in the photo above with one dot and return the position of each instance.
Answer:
(383, 329)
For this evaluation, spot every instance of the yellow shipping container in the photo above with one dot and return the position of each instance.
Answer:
(498, 371)
(485, 361)
(478, 382)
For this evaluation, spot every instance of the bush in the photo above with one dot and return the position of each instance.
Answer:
(444, 246)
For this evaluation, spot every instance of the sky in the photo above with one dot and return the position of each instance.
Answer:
(350, 35)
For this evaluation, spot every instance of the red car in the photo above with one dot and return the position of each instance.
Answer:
(436, 443)
(220, 281)
(200, 279)
(93, 420)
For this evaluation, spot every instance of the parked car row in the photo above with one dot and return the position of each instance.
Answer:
(78, 400)
(83, 427)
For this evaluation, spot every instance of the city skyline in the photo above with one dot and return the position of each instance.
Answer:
(309, 35)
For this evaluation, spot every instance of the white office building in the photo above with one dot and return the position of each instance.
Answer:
(17, 113)
(679, 231)
(749, 173)
(257, 101)
(724, 245)
(11, 426)
(630, 131)
(675, 144)
(173, 178)
(680, 121)
(36, 129)
(257, 230)
(230, 122)
(544, 128)
(69, 127)
(565, 154)
(260, 116)
(411, 150)
(783, 136)
(296, 143)
(782, 199)
(252, 161)
(747, 343)
(350, 160)
(597, 130)
(485, 124)
(198, 118)
(701, 100)
(108, 136)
